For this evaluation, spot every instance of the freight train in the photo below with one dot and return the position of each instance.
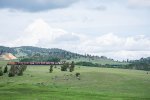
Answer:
(35, 63)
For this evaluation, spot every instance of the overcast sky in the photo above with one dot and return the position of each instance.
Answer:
(118, 29)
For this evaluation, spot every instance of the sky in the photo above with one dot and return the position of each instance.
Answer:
(118, 29)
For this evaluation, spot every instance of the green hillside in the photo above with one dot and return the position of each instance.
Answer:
(95, 84)
(43, 54)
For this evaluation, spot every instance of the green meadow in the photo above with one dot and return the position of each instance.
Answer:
(94, 84)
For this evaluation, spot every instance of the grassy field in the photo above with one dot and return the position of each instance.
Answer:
(95, 84)
(98, 61)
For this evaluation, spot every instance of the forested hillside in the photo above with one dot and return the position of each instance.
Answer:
(141, 64)
(30, 53)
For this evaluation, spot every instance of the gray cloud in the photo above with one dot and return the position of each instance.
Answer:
(139, 3)
(100, 8)
(35, 5)
(68, 38)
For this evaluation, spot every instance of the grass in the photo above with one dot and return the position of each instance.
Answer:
(99, 61)
(95, 84)
(3, 63)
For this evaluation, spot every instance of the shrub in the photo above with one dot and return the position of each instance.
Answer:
(64, 67)
(10, 74)
(12, 71)
(20, 69)
(77, 74)
(71, 68)
(83, 63)
(20, 72)
(51, 69)
(24, 67)
(1, 72)
(6, 69)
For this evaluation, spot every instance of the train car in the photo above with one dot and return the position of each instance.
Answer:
(11, 63)
(35, 63)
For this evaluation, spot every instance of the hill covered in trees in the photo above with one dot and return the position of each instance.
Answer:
(30, 53)
(141, 64)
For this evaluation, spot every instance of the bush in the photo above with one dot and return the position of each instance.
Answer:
(20, 73)
(20, 69)
(84, 63)
(12, 71)
(6, 69)
(71, 68)
(11, 74)
(64, 67)
(51, 69)
(17, 70)
(24, 67)
(1, 72)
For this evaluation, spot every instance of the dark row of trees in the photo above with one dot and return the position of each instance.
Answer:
(36, 52)
(14, 70)
(40, 59)
(142, 64)
(3, 71)
(91, 64)
(66, 66)
(17, 70)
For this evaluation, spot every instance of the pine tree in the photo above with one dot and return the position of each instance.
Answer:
(12, 71)
(51, 69)
(64, 67)
(6, 69)
(72, 66)
(1, 72)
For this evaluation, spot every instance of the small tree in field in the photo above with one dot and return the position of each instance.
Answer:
(24, 67)
(6, 69)
(51, 69)
(71, 68)
(64, 67)
(1, 72)
(19, 70)
(10, 74)
(12, 71)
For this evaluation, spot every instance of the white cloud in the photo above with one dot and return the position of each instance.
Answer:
(140, 3)
(40, 34)
(124, 54)
(118, 47)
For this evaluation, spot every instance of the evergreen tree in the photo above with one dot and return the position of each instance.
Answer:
(51, 69)
(64, 67)
(20, 69)
(20, 72)
(72, 66)
(1, 72)
(12, 71)
(6, 69)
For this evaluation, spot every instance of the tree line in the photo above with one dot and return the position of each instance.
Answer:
(14, 70)
(142, 64)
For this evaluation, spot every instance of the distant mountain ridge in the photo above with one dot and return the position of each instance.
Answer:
(42, 54)
(29, 51)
